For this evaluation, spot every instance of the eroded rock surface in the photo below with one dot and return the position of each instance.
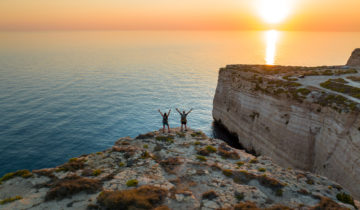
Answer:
(354, 60)
(170, 171)
(302, 117)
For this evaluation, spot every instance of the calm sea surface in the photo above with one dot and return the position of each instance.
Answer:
(63, 94)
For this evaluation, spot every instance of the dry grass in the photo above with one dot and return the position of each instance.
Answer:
(327, 203)
(170, 164)
(9, 200)
(20, 173)
(132, 183)
(74, 164)
(226, 152)
(144, 197)
(72, 185)
(246, 206)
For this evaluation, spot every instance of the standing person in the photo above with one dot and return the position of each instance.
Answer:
(165, 120)
(183, 118)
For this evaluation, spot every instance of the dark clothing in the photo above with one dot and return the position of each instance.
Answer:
(165, 120)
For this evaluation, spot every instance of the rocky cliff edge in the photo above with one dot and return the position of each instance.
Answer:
(170, 171)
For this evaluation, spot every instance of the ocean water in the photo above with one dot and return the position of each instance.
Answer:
(63, 94)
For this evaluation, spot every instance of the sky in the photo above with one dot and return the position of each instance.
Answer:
(304, 15)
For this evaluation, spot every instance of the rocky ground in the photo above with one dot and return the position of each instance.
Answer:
(180, 170)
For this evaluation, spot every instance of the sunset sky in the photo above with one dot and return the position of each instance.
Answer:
(308, 15)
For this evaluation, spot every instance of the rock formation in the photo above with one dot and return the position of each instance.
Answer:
(170, 171)
(354, 59)
(302, 117)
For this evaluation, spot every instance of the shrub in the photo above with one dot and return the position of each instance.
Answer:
(144, 197)
(354, 78)
(240, 163)
(340, 86)
(310, 181)
(203, 152)
(226, 152)
(254, 161)
(121, 164)
(201, 158)
(198, 134)
(279, 192)
(210, 149)
(209, 195)
(74, 164)
(239, 196)
(270, 182)
(262, 169)
(345, 198)
(20, 173)
(132, 183)
(246, 205)
(97, 172)
(9, 200)
(227, 172)
(197, 143)
(72, 185)
(168, 139)
(303, 91)
(170, 164)
(180, 134)
(146, 146)
(327, 203)
(254, 115)
(145, 155)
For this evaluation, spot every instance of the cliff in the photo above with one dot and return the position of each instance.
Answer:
(170, 171)
(301, 117)
(354, 59)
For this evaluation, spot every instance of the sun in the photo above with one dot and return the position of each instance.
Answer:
(274, 11)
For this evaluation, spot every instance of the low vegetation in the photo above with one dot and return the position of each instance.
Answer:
(97, 172)
(132, 183)
(168, 139)
(327, 203)
(9, 200)
(227, 172)
(74, 164)
(253, 161)
(201, 158)
(144, 197)
(240, 163)
(339, 85)
(20, 173)
(226, 152)
(209, 195)
(262, 169)
(345, 198)
(170, 164)
(72, 185)
(354, 78)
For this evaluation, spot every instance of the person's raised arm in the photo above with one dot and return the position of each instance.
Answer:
(161, 113)
(169, 112)
(190, 111)
(178, 110)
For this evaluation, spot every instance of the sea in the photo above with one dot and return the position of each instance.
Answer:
(68, 93)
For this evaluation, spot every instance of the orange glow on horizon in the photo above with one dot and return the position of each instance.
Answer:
(310, 15)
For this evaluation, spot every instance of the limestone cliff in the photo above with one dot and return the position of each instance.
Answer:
(299, 116)
(354, 59)
(170, 171)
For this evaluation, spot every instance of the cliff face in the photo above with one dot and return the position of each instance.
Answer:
(169, 171)
(354, 60)
(282, 113)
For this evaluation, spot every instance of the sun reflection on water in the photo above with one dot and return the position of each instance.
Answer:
(271, 41)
